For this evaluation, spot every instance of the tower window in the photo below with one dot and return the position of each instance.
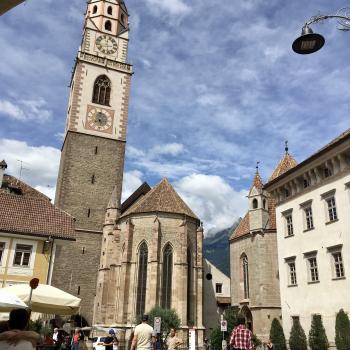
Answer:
(218, 288)
(93, 179)
(108, 25)
(167, 277)
(88, 212)
(255, 203)
(142, 279)
(110, 10)
(96, 150)
(102, 91)
(78, 290)
(122, 18)
(245, 274)
(94, 10)
(264, 203)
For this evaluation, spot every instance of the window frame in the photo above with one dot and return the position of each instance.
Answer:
(102, 91)
(291, 272)
(332, 252)
(288, 226)
(313, 273)
(22, 252)
(142, 274)
(167, 276)
(245, 275)
(307, 218)
(218, 288)
(331, 211)
(2, 251)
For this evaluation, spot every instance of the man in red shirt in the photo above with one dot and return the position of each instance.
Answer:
(241, 337)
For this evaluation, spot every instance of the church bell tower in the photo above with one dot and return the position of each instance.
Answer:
(92, 159)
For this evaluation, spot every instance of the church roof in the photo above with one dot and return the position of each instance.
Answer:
(285, 164)
(141, 191)
(162, 198)
(26, 211)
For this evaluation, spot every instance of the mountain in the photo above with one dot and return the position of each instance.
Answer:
(217, 249)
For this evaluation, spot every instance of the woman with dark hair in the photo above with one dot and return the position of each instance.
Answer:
(17, 338)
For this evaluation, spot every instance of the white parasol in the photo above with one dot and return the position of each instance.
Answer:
(10, 301)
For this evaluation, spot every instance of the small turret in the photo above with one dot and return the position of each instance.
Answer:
(3, 167)
(258, 204)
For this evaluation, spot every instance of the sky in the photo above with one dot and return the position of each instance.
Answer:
(216, 88)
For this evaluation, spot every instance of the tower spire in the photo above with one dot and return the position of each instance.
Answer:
(286, 147)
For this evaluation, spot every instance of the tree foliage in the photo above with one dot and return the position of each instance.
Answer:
(277, 335)
(297, 338)
(342, 331)
(317, 336)
(169, 317)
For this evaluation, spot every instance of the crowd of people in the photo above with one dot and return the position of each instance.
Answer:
(16, 337)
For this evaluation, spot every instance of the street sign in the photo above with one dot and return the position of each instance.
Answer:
(157, 324)
(223, 326)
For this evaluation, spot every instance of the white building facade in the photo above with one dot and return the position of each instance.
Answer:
(217, 295)
(313, 230)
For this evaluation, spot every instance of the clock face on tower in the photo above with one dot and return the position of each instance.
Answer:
(106, 44)
(99, 119)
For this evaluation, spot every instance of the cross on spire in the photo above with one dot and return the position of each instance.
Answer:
(286, 146)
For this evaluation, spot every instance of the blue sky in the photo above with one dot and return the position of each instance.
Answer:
(216, 88)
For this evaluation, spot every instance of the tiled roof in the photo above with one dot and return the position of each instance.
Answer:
(244, 226)
(10, 182)
(285, 164)
(141, 191)
(27, 211)
(162, 198)
(257, 182)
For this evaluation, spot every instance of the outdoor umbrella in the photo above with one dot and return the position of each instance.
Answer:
(10, 301)
(46, 299)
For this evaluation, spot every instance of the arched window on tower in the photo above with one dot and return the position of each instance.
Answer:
(245, 275)
(255, 203)
(102, 91)
(264, 204)
(110, 10)
(142, 280)
(190, 320)
(94, 10)
(122, 18)
(108, 25)
(167, 277)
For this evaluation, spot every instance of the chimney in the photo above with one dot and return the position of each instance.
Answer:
(3, 167)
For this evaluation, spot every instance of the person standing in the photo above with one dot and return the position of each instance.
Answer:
(17, 338)
(241, 337)
(76, 339)
(144, 338)
(173, 341)
(206, 343)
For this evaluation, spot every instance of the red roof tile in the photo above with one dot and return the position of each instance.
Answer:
(285, 164)
(257, 182)
(24, 210)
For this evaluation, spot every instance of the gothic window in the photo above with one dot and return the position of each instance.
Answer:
(245, 275)
(102, 91)
(255, 203)
(264, 204)
(110, 10)
(142, 279)
(167, 277)
(122, 18)
(108, 25)
(94, 10)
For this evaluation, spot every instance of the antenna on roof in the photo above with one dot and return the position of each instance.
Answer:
(286, 147)
(22, 168)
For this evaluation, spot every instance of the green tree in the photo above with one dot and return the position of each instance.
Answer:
(342, 331)
(215, 339)
(169, 317)
(297, 338)
(317, 336)
(277, 335)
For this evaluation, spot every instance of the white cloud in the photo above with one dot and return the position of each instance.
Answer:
(211, 99)
(25, 110)
(213, 200)
(40, 164)
(48, 191)
(173, 7)
(173, 149)
(132, 181)
(11, 110)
